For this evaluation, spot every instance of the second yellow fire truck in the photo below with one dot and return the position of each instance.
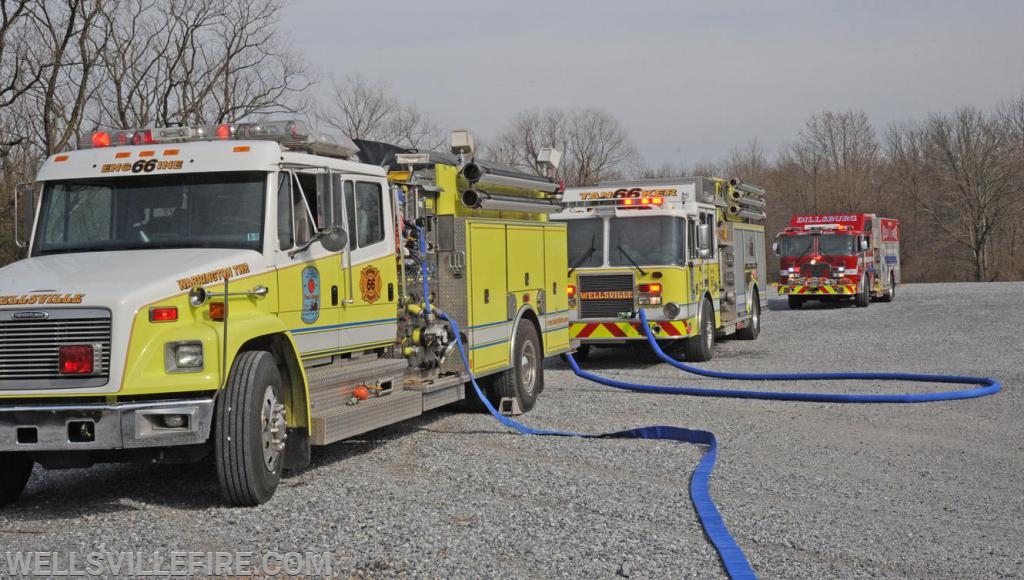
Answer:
(690, 251)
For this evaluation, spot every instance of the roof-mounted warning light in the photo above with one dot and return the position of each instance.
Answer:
(642, 202)
(290, 134)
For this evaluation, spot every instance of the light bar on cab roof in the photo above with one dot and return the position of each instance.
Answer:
(291, 134)
(641, 201)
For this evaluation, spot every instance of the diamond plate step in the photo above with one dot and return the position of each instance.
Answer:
(373, 413)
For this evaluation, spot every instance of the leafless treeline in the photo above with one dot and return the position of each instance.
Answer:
(954, 179)
(68, 66)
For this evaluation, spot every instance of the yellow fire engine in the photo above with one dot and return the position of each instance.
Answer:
(688, 250)
(250, 290)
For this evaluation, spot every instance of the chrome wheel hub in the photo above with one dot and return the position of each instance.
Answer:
(528, 367)
(273, 428)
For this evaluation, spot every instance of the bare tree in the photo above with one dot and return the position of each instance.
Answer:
(17, 76)
(838, 156)
(363, 109)
(963, 170)
(594, 145)
(198, 62)
(69, 39)
(749, 162)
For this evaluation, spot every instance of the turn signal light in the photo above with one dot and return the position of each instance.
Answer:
(76, 359)
(217, 311)
(163, 314)
(570, 290)
(654, 288)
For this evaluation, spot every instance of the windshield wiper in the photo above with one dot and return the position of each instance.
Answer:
(586, 255)
(632, 261)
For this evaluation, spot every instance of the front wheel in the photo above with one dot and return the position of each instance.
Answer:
(863, 298)
(17, 468)
(250, 430)
(753, 327)
(700, 348)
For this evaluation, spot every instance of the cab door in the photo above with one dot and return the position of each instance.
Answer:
(369, 276)
(308, 279)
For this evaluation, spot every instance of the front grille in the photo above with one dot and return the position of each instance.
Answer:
(29, 348)
(819, 270)
(605, 295)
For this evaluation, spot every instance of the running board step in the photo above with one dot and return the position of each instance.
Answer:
(331, 386)
(440, 391)
(373, 413)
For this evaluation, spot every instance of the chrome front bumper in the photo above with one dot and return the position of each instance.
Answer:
(84, 427)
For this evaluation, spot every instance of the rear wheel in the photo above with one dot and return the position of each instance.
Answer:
(250, 430)
(17, 468)
(890, 292)
(753, 327)
(524, 380)
(700, 348)
(796, 302)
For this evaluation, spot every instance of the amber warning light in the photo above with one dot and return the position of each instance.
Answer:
(642, 201)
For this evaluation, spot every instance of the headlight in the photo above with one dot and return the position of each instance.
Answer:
(183, 357)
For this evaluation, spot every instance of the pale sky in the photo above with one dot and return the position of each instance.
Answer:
(688, 80)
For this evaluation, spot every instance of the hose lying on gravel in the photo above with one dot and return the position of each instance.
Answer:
(715, 529)
(987, 386)
(733, 559)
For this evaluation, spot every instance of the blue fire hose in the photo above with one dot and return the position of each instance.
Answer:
(987, 386)
(736, 564)
(733, 559)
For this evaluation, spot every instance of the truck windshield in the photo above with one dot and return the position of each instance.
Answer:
(647, 241)
(586, 240)
(209, 210)
(837, 245)
(796, 246)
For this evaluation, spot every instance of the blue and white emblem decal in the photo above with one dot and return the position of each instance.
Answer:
(310, 295)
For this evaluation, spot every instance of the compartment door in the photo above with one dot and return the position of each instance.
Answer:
(556, 266)
(525, 246)
(489, 329)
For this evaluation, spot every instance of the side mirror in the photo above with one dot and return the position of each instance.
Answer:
(334, 239)
(704, 240)
(775, 247)
(325, 200)
(24, 212)
(864, 244)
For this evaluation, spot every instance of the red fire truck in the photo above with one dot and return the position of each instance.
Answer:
(837, 257)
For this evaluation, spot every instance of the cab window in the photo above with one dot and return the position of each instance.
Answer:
(364, 204)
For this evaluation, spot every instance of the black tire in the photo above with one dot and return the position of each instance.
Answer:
(700, 348)
(17, 468)
(795, 302)
(863, 298)
(753, 328)
(582, 353)
(525, 379)
(249, 432)
(890, 292)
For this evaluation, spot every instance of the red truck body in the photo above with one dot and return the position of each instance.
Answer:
(839, 256)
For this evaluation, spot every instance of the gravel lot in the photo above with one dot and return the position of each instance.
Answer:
(809, 490)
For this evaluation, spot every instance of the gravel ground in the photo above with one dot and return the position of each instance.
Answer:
(809, 490)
